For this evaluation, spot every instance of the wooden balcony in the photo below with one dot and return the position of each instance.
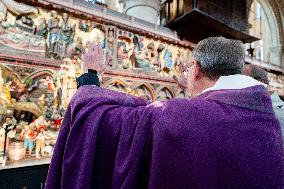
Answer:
(195, 20)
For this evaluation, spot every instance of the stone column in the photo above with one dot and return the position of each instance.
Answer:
(275, 57)
(1, 83)
(111, 4)
(282, 59)
(147, 10)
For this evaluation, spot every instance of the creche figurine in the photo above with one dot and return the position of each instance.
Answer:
(41, 29)
(48, 149)
(54, 35)
(110, 42)
(84, 25)
(56, 119)
(40, 141)
(67, 31)
(27, 135)
(40, 121)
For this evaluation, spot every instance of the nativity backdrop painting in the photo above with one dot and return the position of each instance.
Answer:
(45, 50)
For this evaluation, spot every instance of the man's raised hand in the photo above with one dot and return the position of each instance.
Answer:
(93, 59)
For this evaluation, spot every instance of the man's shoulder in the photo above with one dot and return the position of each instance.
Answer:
(191, 106)
(195, 102)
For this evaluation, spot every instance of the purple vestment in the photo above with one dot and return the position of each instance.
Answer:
(220, 139)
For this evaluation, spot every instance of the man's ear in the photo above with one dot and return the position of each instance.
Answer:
(197, 71)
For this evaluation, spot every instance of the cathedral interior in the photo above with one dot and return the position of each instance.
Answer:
(44, 44)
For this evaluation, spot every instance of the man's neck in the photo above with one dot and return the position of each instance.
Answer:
(204, 84)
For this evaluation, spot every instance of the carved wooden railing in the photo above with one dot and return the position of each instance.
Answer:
(265, 65)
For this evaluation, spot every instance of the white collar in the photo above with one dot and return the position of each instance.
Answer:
(237, 81)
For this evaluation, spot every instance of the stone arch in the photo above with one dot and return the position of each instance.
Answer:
(12, 71)
(147, 87)
(181, 94)
(117, 85)
(26, 106)
(38, 74)
(275, 25)
(6, 67)
(165, 91)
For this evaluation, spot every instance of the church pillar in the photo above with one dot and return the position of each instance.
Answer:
(1, 83)
(111, 4)
(147, 10)
(276, 55)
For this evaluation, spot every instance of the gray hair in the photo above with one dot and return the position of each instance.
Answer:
(219, 56)
(258, 73)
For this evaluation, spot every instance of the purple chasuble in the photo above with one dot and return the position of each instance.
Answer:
(220, 139)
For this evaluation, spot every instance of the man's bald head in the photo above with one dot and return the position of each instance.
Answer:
(256, 72)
